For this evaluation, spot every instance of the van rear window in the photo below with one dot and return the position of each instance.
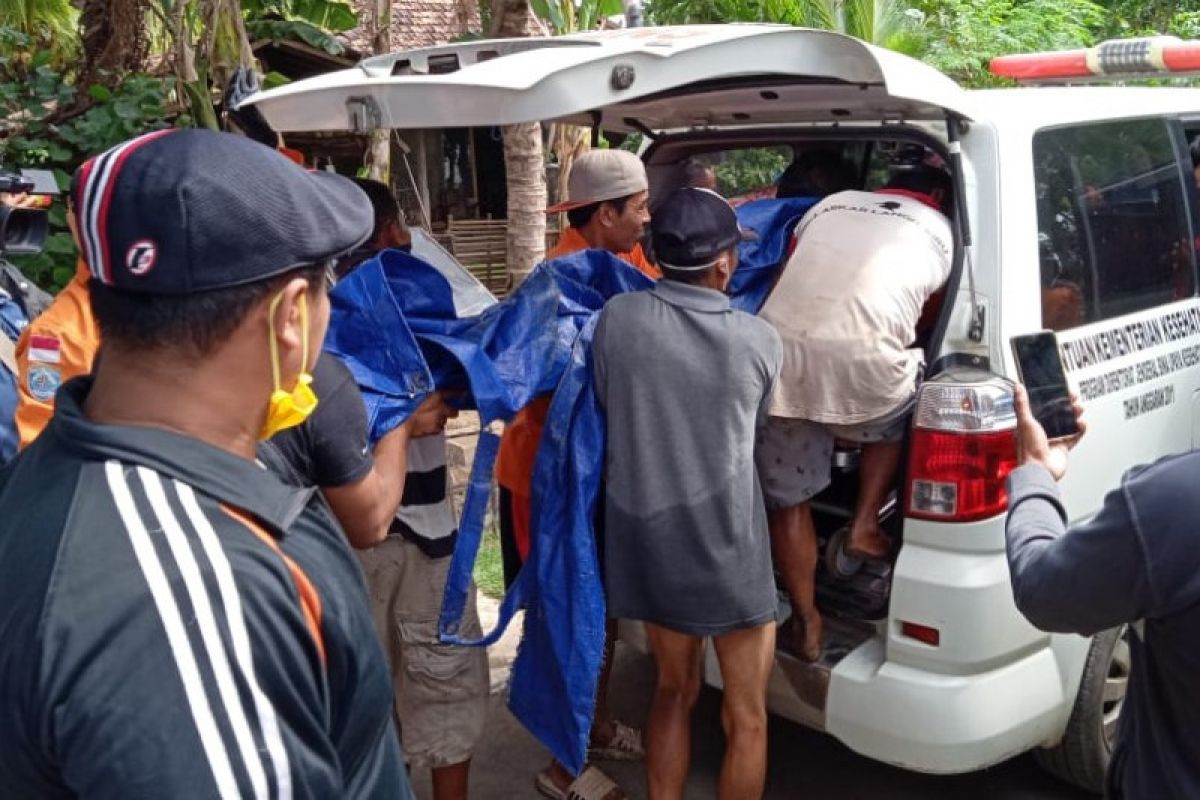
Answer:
(1113, 221)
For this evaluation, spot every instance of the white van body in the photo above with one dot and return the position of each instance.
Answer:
(993, 686)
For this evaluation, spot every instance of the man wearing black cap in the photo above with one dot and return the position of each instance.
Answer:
(180, 623)
(687, 550)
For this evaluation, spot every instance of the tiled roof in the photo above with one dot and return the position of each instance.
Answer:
(415, 23)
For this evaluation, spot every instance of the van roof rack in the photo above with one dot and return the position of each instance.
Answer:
(1115, 60)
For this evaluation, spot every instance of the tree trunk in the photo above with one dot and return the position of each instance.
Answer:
(379, 153)
(525, 165)
(524, 159)
(114, 38)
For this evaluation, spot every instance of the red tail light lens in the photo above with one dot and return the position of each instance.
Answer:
(959, 477)
(962, 448)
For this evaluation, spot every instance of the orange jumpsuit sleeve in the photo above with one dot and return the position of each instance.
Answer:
(55, 347)
(638, 258)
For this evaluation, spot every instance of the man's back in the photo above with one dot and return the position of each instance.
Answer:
(848, 301)
(683, 380)
(172, 586)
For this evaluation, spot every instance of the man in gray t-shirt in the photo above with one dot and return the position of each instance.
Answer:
(684, 381)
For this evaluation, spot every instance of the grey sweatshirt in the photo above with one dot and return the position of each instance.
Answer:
(1137, 560)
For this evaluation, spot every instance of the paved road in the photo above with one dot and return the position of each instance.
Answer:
(803, 764)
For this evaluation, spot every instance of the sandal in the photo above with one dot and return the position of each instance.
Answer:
(591, 784)
(625, 745)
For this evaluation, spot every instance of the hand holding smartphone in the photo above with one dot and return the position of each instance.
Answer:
(1040, 369)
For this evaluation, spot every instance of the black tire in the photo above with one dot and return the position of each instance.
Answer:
(1082, 757)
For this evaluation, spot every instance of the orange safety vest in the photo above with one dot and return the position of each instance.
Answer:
(57, 346)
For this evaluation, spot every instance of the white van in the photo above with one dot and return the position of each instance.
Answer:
(1078, 212)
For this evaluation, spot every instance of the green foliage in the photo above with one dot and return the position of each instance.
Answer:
(568, 16)
(328, 15)
(47, 129)
(883, 22)
(312, 22)
(51, 24)
(293, 30)
(489, 566)
(967, 34)
(749, 169)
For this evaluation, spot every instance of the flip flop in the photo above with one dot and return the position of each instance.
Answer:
(591, 784)
(625, 745)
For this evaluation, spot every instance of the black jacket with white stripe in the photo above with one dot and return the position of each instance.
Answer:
(178, 623)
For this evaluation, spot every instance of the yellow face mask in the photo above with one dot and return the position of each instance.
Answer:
(287, 409)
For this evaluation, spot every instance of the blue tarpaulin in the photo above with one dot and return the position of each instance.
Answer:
(760, 261)
(394, 323)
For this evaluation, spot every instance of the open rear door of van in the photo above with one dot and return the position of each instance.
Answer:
(643, 79)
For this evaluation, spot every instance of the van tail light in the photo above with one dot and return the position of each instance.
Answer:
(963, 447)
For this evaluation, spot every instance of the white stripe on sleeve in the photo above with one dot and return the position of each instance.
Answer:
(209, 634)
(241, 639)
(181, 648)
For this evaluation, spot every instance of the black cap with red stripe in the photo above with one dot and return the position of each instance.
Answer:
(188, 210)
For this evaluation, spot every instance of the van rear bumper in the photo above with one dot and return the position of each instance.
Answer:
(936, 723)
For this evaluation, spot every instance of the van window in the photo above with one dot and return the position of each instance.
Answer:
(749, 170)
(1113, 227)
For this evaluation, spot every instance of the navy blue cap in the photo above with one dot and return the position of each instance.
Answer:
(188, 210)
(692, 227)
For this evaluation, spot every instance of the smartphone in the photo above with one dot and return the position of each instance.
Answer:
(1040, 368)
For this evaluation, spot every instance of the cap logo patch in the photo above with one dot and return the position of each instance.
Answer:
(141, 257)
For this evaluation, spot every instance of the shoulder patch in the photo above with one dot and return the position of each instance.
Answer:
(43, 381)
(44, 349)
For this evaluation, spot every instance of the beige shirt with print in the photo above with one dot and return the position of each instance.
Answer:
(847, 305)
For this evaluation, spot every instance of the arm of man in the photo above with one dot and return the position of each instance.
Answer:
(772, 356)
(1084, 580)
(365, 507)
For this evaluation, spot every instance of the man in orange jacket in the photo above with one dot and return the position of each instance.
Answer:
(608, 208)
(58, 345)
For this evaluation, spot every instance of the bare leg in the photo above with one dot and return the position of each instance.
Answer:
(603, 729)
(794, 543)
(668, 733)
(879, 461)
(450, 782)
(746, 657)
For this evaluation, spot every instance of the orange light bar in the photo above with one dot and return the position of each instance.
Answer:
(1143, 57)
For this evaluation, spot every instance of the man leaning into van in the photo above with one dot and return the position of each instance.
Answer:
(1135, 563)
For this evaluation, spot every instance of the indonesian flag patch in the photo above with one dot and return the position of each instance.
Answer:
(45, 349)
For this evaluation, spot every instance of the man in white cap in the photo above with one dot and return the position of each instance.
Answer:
(607, 206)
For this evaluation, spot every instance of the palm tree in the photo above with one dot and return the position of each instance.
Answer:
(524, 158)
